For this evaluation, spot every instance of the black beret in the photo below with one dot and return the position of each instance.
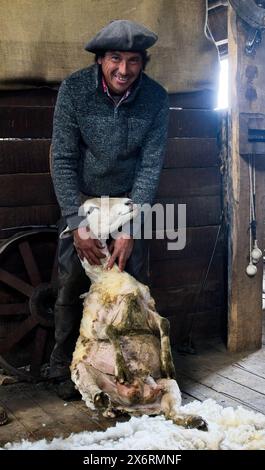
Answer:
(122, 35)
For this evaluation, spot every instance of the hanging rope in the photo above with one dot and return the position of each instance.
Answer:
(254, 252)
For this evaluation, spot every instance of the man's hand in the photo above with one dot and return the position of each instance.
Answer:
(87, 247)
(120, 249)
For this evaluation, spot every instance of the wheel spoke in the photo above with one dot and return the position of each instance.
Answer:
(25, 276)
(22, 329)
(16, 283)
(30, 263)
(14, 309)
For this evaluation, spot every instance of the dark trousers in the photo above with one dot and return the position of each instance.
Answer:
(72, 282)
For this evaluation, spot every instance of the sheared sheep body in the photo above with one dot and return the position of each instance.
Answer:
(122, 361)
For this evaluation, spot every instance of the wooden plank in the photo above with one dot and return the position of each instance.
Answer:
(41, 96)
(189, 182)
(69, 415)
(102, 422)
(241, 393)
(24, 156)
(180, 182)
(208, 324)
(38, 424)
(253, 363)
(200, 210)
(26, 190)
(203, 99)
(243, 368)
(184, 298)
(195, 245)
(27, 216)
(40, 414)
(245, 293)
(174, 273)
(231, 372)
(216, 350)
(202, 392)
(193, 123)
(200, 324)
(26, 121)
(32, 156)
(191, 152)
(14, 431)
(13, 309)
(36, 122)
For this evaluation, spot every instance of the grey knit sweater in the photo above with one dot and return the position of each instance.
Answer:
(102, 149)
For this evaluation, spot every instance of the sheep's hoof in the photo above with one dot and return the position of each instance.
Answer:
(3, 416)
(197, 422)
(101, 400)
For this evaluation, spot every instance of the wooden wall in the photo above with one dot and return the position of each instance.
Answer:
(26, 191)
(190, 176)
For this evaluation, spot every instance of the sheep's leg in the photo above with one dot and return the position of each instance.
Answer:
(160, 324)
(122, 372)
(3, 416)
(170, 404)
(87, 386)
(168, 368)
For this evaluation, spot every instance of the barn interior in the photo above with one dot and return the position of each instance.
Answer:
(213, 165)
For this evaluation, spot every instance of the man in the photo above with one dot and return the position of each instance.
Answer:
(109, 135)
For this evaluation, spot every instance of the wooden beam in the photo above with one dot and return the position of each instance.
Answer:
(246, 96)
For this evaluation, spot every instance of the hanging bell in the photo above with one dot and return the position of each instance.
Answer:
(256, 253)
(251, 269)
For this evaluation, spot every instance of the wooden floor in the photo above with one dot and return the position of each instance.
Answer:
(36, 412)
(229, 379)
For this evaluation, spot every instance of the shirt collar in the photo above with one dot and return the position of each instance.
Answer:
(106, 90)
(134, 89)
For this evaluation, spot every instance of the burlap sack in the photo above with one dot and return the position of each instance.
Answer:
(42, 41)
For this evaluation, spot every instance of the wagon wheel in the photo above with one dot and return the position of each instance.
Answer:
(28, 272)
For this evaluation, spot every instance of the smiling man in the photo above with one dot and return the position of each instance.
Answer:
(120, 69)
(109, 136)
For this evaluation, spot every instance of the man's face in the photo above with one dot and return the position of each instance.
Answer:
(120, 69)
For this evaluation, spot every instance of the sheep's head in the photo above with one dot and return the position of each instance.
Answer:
(105, 216)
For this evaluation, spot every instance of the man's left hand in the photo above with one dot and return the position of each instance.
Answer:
(120, 249)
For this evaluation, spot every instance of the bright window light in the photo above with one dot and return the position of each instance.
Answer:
(223, 85)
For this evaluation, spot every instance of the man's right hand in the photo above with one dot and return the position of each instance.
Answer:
(87, 247)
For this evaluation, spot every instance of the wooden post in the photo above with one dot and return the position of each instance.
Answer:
(247, 95)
